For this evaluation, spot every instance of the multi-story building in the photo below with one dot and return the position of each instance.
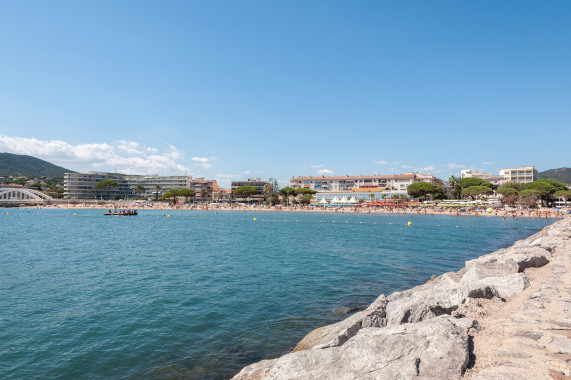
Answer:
(525, 174)
(198, 184)
(366, 187)
(361, 183)
(83, 185)
(255, 182)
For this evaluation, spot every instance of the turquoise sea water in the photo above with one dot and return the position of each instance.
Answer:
(201, 294)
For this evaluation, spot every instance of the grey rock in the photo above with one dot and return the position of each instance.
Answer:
(256, 371)
(340, 332)
(533, 335)
(502, 287)
(560, 345)
(439, 297)
(434, 349)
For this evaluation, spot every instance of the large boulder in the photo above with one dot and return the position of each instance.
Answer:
(340, 332)
(438, 297)
(434, 349)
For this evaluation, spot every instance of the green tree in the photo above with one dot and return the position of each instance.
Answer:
(304, 191)
(107, 185)
(510, 185)
(305, 199)
(505, 191)
(455, 191)
(245, 191)
(202, 195)
(186, 193)
(157, 189)
(422, 189)
(545, 187)
(475, 191)
(171, 195)
(285, 192)
(139, 189)
(474, 181)
(530, 196)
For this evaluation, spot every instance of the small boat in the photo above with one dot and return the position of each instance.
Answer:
(122, 212)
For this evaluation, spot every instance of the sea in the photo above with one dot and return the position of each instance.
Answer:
(201, 294)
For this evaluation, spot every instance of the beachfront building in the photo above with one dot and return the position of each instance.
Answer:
(154, 186)
(363, 187)
(525, 174)
(210, 186)
(375, 182)
(84, 185)
(255, 182)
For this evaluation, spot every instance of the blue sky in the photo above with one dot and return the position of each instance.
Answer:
(237, 89)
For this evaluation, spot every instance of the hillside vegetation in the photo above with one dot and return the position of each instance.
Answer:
(28, 166)
(561, 175)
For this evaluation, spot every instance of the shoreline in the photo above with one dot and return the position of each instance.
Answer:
(545, 213)
(457, 325)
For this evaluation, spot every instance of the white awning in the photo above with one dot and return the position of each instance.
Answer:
(344, 200)
(323, 201)
(353, 200)
(335, 200)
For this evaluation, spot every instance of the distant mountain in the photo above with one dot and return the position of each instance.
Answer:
(561, 175)
(28, 166)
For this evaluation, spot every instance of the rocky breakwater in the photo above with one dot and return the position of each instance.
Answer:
(422, 332)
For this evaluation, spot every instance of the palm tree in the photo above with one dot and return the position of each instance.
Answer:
(139, 189)
(157, 188)
(202, 195)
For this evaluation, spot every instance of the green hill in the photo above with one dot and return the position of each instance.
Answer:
(561, 175)
(28, 166)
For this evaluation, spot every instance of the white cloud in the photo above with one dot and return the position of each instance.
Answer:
(247, 172)
(396, 162)
(455, 166)
(128, 157)
(203, 162)
(382, 162)
(407, 167)
(325, 171)
(487, 163)
(316, 166)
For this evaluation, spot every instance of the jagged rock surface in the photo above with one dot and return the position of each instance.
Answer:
(434, 349)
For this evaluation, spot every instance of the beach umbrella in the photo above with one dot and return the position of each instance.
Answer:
(490, 210)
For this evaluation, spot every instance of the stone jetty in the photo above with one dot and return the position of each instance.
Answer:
(505, 315)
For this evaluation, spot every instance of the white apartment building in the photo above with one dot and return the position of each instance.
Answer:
(525, 174)
(362, 183)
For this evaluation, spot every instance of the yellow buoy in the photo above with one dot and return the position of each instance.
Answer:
(74, 214)
(168, 216)
(7, 213)
(410, 223)
(255, 219)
